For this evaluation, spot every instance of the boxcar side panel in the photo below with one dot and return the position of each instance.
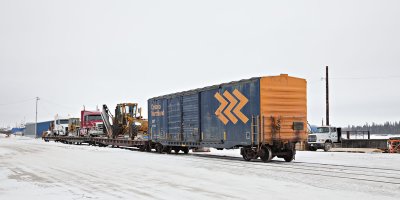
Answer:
(158, 119)
(211, 128)
(227, 112)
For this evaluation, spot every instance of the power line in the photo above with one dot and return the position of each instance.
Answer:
(17, 102)
(57, 104)
(367, 77)
(322, 79)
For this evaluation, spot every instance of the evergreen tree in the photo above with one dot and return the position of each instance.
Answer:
(387, 128)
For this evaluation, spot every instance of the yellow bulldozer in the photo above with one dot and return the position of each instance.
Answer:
(73, 126)
(127, 122)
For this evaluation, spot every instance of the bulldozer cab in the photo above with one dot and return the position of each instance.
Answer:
(127, 120)
(73, 125)
(125, 112)
(74, 121)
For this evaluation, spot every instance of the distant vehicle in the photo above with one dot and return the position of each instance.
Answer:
(91, 123)
(394, 145)
(6, 131)
(325, 137)
(60, 126)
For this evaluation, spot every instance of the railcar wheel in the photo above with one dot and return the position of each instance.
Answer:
(246, 157)
(248, 154)
(185, 150)
(142, 148)
(176, 150)
(159, 148)
(148, 148)
(168, 150)
(266, 154)
(290, 156)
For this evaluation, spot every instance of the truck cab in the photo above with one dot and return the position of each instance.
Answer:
(60, 126)
(91, 123)
(324, 137)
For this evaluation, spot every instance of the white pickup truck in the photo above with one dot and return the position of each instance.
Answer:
(325, 137)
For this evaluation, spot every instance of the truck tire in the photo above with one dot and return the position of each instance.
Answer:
(312, 148)
(327, 146)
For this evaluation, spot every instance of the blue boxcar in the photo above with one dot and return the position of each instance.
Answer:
(189, 118)
(266, 116)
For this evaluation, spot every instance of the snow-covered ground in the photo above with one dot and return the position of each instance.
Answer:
(33, 169)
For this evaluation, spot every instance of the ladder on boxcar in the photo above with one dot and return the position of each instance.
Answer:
(255, 131)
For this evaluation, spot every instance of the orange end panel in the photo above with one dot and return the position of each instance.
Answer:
(283, 101)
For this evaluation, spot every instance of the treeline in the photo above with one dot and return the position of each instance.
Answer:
(387, 128)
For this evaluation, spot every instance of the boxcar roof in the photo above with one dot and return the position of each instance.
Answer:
(188, 92)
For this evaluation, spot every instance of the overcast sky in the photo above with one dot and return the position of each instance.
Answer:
(78, 52)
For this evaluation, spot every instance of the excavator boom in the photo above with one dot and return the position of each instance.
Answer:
(106, 116)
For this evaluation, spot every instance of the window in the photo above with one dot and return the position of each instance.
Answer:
(94, 118)
(64, 121)
(322, 130)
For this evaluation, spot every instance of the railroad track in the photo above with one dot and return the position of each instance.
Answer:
(358, 173)
(349, 172)
(310, 164)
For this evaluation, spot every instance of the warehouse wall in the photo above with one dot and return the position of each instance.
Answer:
(41, 127)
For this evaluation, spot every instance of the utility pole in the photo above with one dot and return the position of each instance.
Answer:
(327, 96)
(37, 99)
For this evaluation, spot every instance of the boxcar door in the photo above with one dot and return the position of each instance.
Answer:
(175, 119)
(191, 116)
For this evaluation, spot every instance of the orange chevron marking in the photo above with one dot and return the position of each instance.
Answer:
(230, 107)
(243, 101)
(219, 113)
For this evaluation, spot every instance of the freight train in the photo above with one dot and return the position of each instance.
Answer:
(264, 116)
